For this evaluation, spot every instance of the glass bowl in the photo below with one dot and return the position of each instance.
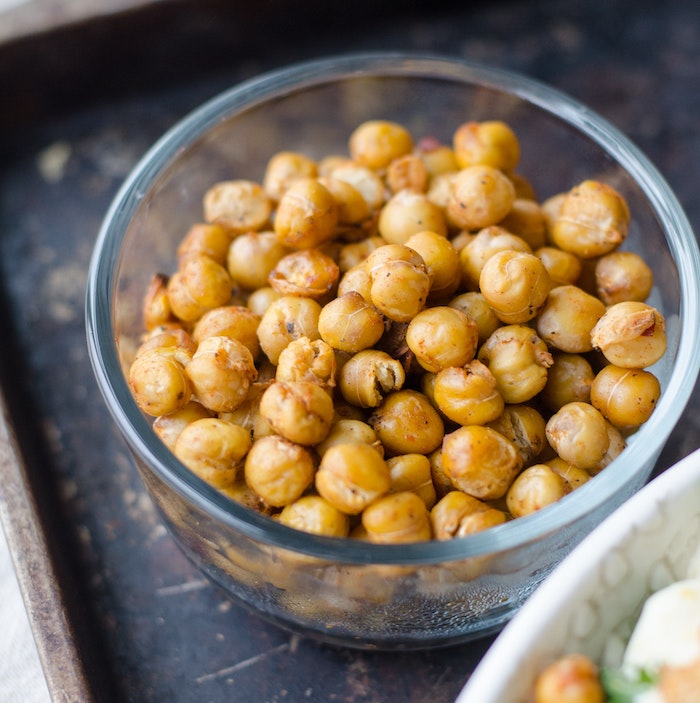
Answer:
(350, 592)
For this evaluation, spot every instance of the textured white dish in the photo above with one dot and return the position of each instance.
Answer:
(591, 600)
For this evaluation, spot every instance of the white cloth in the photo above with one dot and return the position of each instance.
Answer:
(21, 676)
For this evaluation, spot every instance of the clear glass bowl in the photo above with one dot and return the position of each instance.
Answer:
(349, 592)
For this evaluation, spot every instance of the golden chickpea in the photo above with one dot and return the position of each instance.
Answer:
(308, 273)
(578, 434)
(284, 168)
(367, 377)
(205, 239)
(524, 426)
(351, 476)
(352, 206)
(571, 679)
(234, 321)
(526, 220)
(346, 430)
(279, 470)
(356, 279)
(474, 305)
(307, 215)
(315, 515)
(252, 256)
(593, 220)
(311, 360)
(159, 383)
(440, 189)
(399, 281)
(376, 143)
(398, 518)
(240, 492)
(468, 395)
(300, 411)
(563, 267)
(437, 157)
(630, 334)
(238, 206)
(622, 276)
(407, 423)
(626, 397)
(442, 261)
(156, 310)
(356, 253)
(408, 212)
(442, 336)
(569, 378)
(349, 323)
(221, 372)
(261, 299)
(458, 514)
(173, 342)
(616, 444)
(412, 472)
(573, 475)
(519, 360)
(441, 481)
(407, 173)
(213, 449)
(567, 318)
(535, 488)
(551, 207)
(286, 319)
(480, 461)
(364, 180)
(168, 427)
(491, 142)
(247, 414)
(481, 196)
(515, 284)
(200, 285)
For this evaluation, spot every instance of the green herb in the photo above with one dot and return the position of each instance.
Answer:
(621, 688)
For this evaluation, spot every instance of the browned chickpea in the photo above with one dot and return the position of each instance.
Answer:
(310, 360)
(412, 472)
(349, 323)
(571, 679)
(168, 427)
(200, 285)
(407, 423)
(367, 377)
(284, 168)
(279, 470)
(578, 434)
(408, 212)
(481, 196)
(474, 305)
(616, 443)
(524, 426)
(173, 342)
(468, 395)
(239, 206)
(440, 188)
(315, 515)
(491, 142)
(442, 336)
(376, 143)
(351, 204)
(442, 261)
(261, 299)
(364, 180)
(593, 220)
(625, 397)
(252, 256)
(515, 284)
(407, 173)
(524, 188)
(567, 318)
(240, 492)
(306, 215)
(437, 157)
(309, 273)
(159, 383)
(156, 310)
(247, 414)
(441, 481)
(234, 321)
(351, 476)
(526, 220)
(631, 334)
(563, 267)
(535, 488)
(356, 279)
(551, 207)
(398, 518)
(569, 378)
(621, 276)
(356, 253)
(300, 411)
(572, 475)
(519, 360)
(480, 461)
(205, 239)
(349, 431)
(458, 514)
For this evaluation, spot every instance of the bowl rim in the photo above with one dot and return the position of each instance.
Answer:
(136, 430)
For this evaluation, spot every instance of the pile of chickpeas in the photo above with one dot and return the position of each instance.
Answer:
(400, 343)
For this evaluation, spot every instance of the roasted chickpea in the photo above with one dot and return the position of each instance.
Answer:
(626, 397)
(300, 411)
(563, 267)
(593, 220)
(201, 284)
(524, 426)
(571, 679)
(442, 261)
(407, 423)
(238, 206)
(364, 180)
(535, 488)
(284, 168)
(578, 434)
(398, 518)
(351, 476)
(168, 427)
(412, 472)
(569, 378)
(458, 514)
(310, 360)
(261, 299)
(234, 321)
(551, 207)
(279, 470)
(474, 305)
(573, 476)
(440, 189)
(356, 253)
(437, 157)
(490, 142)
(173, 341)
(356, 279)
(367, 377)
(349, 431)
(352, 206)
(407, 173)
(159, 383)
(252, 256)
(408, 212)
(308, 273)
(616, 444)
(631, 334)
(349, 323)
(480, 461)
(376, 143)
(481, 196)
(526, 220)
(316, 515)
(205, 239)
(156, 310)
(621, 276)
(515, 284)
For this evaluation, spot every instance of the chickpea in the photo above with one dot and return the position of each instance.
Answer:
(616, 444)
(351, 476)
(252, 256)
(279, 470)
(593, 220)
(307, 215)
(399, 281)
(349, 323)
(523, 186)
(490, 142)
(407, 423)
(468, 395)
(442, 261)
(524, 426)
(310, 360)
(481, 196)
(407, 172)
(563, 267)
(369, 376)
(515, 284)
(261, 299)
(437, 157)
(551, 207)
(234, 321)
(458, 514)
(474, 305)
(168, 427)
(578, 434)
(571, 679)
(534, 488)
(207, 240)
(238, 206)
(398, 518)
(241, 493)
(567, 318)
(349, 431)
(247, 414)
(569, 378)
(412, 472)
(441, 481)
(440, 189)
(408, 212)
(159, 383)
(621, 276)
(300, 411)
(352, 206)
(284, 168)
(286, 319)
(526, 220)
(630, 334)
(173, 342)
(364, 181)
(221, 372)
(519, 360)
(201, 284)
(213, 449)
(308, 273)
(376, 143)
(480, 461)
(356, 253)
(356, 279)
(156, 310)
(626, 397)
(573, 476)
(316, 515)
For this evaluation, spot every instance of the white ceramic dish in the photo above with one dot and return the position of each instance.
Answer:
(591, 600)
